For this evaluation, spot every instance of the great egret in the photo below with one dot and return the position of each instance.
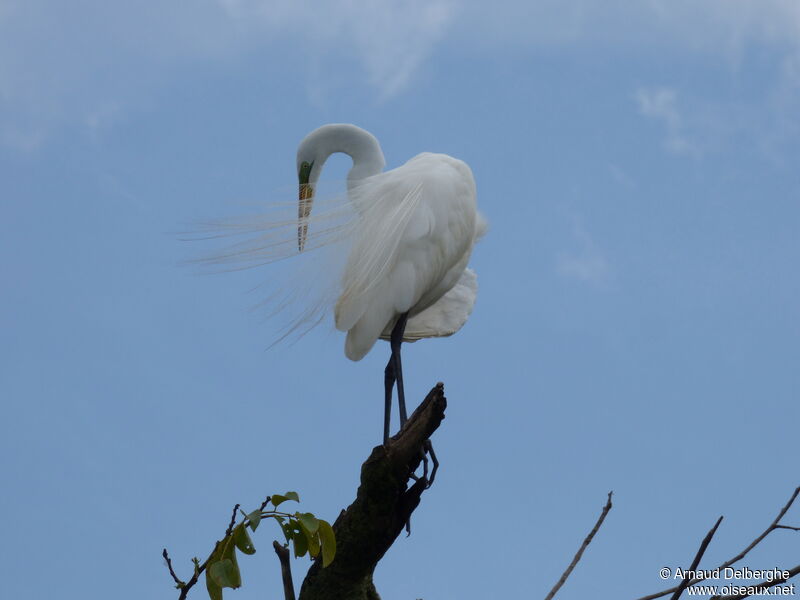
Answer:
(407, 234)
(405, 278)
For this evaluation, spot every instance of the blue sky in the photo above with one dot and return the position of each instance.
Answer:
(636, 327)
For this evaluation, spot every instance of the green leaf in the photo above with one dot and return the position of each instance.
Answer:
(287, 532)
(225, 570)
(278, 499)
(229, 553)
(328, 541)
(214, 590)
(312, 540)
(223, 573)
(309, 521)
(242, 539)
(254, 518)
(300, 545)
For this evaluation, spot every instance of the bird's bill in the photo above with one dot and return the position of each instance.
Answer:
(306, 199)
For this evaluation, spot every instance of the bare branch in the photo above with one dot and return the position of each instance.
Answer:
(383, 504)
(286, 570)
(772, 527)
(180, 584)
(696, 560)
(565, 575)
(199, 569)
(233, 521)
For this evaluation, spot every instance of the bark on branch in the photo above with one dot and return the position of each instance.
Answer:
(286, 569)
(384, 502)
(587, 540)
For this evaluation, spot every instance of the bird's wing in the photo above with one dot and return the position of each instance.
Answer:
(446, 316)
(411, 249)
(373, 256)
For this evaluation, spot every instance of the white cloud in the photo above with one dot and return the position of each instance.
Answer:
(389, 37)
(62, 62)
(67, 62)
(716, 34)
(621, 176)
(24, 140)
(661, 104)
(716, 26)
(586, 263)
(587, 267)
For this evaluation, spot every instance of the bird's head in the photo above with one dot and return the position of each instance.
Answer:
(311, 156)
(315, 149)
(305, 197)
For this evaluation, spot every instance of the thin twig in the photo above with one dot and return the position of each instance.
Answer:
(565, 575)
(696, 560)
(764, 584)
(178, 582)
(185, 587)
(190, 584)
(772, 527)
(286, 570)
(233, 521)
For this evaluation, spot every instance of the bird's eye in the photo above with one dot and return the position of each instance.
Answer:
(305, 171)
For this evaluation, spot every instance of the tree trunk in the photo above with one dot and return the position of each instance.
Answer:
(384, 502)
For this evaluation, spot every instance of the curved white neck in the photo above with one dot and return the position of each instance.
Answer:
(359, 144)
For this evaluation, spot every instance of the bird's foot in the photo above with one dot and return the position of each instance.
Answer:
(427, 449)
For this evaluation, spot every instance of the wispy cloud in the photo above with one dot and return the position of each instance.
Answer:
(621, 176)
(661, 104)
(62, 62)
(723, 27)
(585, 262)
(766, 122)
(390, 38)
(66, 62)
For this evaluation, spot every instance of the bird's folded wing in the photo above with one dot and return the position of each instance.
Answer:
(447, 315)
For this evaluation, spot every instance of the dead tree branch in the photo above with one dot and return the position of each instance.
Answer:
(286, 569)
(199, 569)
(697, 557)
(384, 502)
(579, 553)
(772, 527)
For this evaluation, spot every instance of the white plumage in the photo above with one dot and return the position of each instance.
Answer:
(408, 235)
(406, 275)
(417, 228)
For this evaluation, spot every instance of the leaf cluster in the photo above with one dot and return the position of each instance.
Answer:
(308, 534)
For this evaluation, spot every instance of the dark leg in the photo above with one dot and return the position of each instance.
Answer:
(396, 340)
(394, 373)
(388, 382)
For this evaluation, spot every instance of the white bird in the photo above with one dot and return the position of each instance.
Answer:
(406, 276)
(408, 233)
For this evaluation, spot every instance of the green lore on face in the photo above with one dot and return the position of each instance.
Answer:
(305, 171)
